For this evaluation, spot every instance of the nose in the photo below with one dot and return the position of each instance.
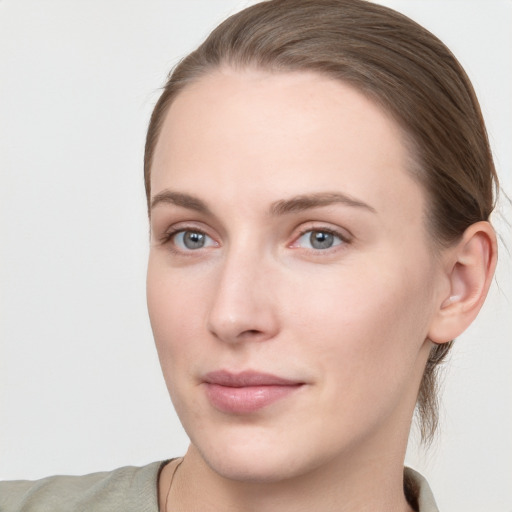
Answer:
(243, 306)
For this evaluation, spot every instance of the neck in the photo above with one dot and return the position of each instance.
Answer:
(375, 485)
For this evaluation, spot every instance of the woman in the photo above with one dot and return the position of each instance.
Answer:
(319, 184)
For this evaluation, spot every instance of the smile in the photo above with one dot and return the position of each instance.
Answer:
(246, 392)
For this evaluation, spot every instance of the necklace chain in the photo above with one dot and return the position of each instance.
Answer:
(170, 484)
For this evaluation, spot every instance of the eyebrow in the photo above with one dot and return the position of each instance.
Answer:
(180, 199)
(283, 206)
(308, 201)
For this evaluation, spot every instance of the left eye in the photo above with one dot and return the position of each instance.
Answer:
(188, 240)
(319, 239)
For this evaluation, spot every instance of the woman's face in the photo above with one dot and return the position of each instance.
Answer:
(291, 283)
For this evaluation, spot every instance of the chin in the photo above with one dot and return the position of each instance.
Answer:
(251, 467)
(257, 458)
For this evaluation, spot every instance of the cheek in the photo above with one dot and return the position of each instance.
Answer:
(374, 318)
(173, 305)
(364, 334)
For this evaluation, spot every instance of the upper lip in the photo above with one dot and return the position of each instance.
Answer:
(247, 378)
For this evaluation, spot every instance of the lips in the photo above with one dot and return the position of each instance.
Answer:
(246, 392)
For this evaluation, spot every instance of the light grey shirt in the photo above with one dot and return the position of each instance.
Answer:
(127, 489)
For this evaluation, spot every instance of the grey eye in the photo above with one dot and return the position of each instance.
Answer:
(321, 240)
(192, 240)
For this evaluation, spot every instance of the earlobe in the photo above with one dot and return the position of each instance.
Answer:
(470, 267)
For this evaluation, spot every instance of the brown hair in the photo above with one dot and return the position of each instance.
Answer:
(397, 63)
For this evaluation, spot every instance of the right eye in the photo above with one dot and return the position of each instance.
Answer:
(191, 240)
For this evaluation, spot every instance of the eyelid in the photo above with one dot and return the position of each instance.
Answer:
(305, 227)
(343, 234)
(178, 239)
(167, 237)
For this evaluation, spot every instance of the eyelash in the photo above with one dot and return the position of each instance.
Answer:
(167, 237)
(345, 240)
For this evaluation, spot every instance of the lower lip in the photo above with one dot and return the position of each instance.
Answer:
(246, 399)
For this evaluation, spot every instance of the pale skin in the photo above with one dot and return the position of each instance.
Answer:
(253, 164)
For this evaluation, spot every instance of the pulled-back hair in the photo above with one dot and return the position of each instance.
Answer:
(401, 66)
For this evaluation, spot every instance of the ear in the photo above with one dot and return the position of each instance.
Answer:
(470, 266)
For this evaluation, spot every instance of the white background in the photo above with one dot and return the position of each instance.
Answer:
(80, 384)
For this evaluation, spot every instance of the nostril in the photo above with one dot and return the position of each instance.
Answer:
(253, 335)
(250, 333)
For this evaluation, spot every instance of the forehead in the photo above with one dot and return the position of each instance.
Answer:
(282, 134)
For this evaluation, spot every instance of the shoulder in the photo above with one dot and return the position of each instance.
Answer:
(418, 492)
(124, 489)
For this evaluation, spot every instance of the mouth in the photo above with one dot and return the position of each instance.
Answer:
(246, 392)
